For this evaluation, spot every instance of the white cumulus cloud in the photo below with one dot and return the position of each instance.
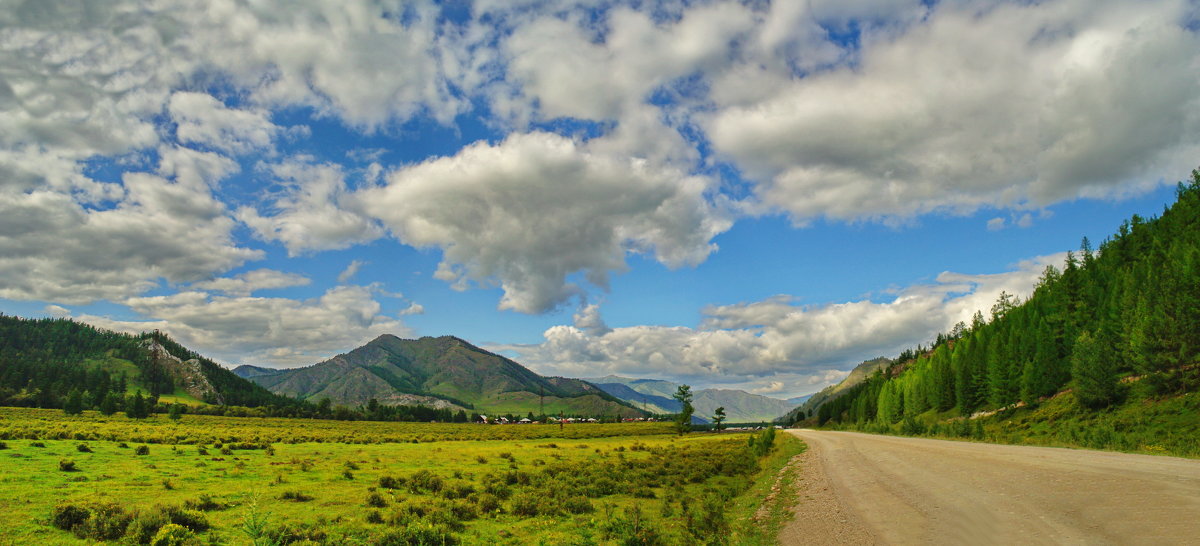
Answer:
(530, 211)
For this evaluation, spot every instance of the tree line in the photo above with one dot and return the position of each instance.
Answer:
(1127, 313)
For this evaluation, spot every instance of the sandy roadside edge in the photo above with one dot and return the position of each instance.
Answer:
(820, 518)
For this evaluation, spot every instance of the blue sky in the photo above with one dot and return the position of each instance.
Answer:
(753, 195)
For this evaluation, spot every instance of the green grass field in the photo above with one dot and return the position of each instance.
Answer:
(278, 481)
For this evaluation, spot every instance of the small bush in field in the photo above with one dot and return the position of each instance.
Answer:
(481, 459)
(424, 481)
(376, 500)
(172, 535)
(37, 444)
(458, 490)
(487, 502)
(194, 520)
(145, 526)
(107, 522)
(205, 504)
(67, 466)
(3, 445)
(578, 504)
(374, 517)
(83, 448)
(66, 516)
(417, 533)
(295, 496)
(142, 450)
(391, 482)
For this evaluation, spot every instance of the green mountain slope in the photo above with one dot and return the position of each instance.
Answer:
(43, 360)
(740, 406)
(859, 374)
(1114, 332)
(438, 372)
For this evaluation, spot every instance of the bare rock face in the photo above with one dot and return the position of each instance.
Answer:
(187, 374)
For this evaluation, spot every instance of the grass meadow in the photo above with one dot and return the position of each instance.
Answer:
(226, 480)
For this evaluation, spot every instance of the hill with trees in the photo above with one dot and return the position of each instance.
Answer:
(44, 361)
(812, 403)
(1099, 345)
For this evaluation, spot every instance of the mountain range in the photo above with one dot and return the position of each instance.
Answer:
(441, 372)
(654, 395)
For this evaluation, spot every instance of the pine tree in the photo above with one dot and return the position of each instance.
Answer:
(135, 407)
(683, 421)
(1094, 373)
(718, 418)
(108, 405)
(74, 403)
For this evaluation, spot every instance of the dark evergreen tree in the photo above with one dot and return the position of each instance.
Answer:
(683, 420)
(1093, 373)
(73, 405)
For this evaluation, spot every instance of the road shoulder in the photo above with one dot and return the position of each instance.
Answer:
(820, 517)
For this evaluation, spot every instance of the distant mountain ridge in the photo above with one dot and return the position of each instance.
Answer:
(441, 372)
(655, 395)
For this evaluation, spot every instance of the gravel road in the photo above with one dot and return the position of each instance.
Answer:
(868, 489)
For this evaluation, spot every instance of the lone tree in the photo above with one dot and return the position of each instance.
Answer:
(683, 421)
(176, 411)
(719, 418)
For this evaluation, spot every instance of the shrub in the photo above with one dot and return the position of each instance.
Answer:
(123, 445)
(631, 529)
(529, 504)
(67, 466)
(145, 526)
(481, 459)
(194, 520)
(391, 482)
(37, 444)
(444, 514)
(107, 522)
(578, 504)
(66, 516)
(458, 490)
(374, 517)
(83, 448)
(487, 502)
(424, 481)
(376, 500)
(3, 445)
(417, 533)
(205, 504)
(172, 535)
(142, 450)
(295, 496)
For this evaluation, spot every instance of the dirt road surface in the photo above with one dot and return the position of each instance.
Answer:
(868, 489)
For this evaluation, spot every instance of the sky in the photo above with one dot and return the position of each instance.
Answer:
(733, 194)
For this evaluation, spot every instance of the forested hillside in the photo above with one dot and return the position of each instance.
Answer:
(42, 361)
(1117, 323)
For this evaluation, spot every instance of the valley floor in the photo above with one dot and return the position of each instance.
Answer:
(869, 489)
(226, 480)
